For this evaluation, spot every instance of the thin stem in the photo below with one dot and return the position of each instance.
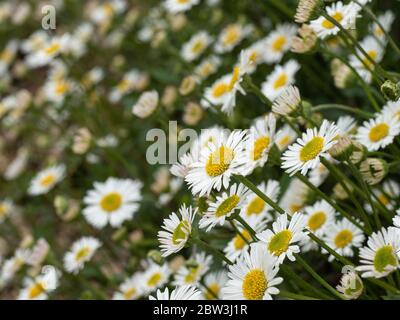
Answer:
(253, 88)
(362, 113)
(317, 277)
(215, 252)
(246, 226)
(295, 296)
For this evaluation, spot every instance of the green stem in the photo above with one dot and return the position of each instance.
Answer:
(317, 277)
(295, 296)
(362, 113)
(254, 89)
(215, 252)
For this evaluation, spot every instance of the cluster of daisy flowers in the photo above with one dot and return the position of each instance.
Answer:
(290, 189)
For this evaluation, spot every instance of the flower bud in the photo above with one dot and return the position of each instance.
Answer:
(373, 170)
(187, 85)
(390, 90)
(343, 149)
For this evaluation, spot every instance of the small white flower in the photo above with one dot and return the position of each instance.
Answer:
(81, 252)
(146, 104)
(193, 271)
(155, 277)
(279, 42)
(46, 179)
(179, 293)
(130, 289)
(197, 44)
(176, 6)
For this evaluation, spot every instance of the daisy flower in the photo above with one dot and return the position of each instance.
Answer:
(112, 201)
(193, 271)
(224, 206)
(396, 219)
(12, 265)
(374, 50)
(155, 276)
(282, 240)
(175, 6)
(279, 79)
(284, 137)
(345, 15)
(7, 55)
(351, 285)
(214, 282)
(295, 196)
(346, 125)
(207, 67)
(81, 252)
(342, 237)
(306, 152)
(217, 163)
(197, 44)
(231, 36)
(46, 179)
(319, 217)
(261, 139)
(146, 104)
(179, 293)
(130, 289)
(279, 42)
(288, 102)
(386, 20)
(253, 277)
(177, 230)
(217, 93)
(241, 241)
(39, 287)
(381, 255)
(392, 109)
(56, 89)
(255, 206)
(6, 208)
(50, 50)
(386, 195)
(378, 133)
(256, 55)
(319, 174)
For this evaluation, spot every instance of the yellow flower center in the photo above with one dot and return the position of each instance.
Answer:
(379, 132)
(311, 149)
(192, 275)
(284, 141)
(183, 1)
(260, 145)
(48, 180)
(198, 47)
(329, 25)
(36, 290)
(123, 85)
(253, 57)
(256, 206)
(234, 79)
(219, 161)
(53, 48)
(111, 202)
(154, 279)
(61, 87)
(220, 89)
(384, 257)
(317, 220)
(254, 285)
(295, 207)
(82, 253)
(378, 32)
(280, 81)
(214, 288)
(372, 54)
(239, 240)
(279, 43)
(227, 206)
(280, 242)
(343, 238)
(231, 35)
(180, 232)
(383, 199)
(3, 210)
(6, 55)
(128, 294)
(109, 9)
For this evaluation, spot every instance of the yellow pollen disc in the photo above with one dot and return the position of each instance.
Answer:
(311, 149)
(6, 55)
(231, 36)
(254, 285)
(111, 202)
(280, 242)
(256, 206)
(227, 206)
(52, 49)
(61, 87)
(295, 207)
(253, 56)
(183, 1)
(239, 242)
(317, 220)
(260, 145)
(378, 32)
(329, 25)
(214, 288)
(108, 9)
(206, 69)
(198, 47)
(372, 54)
(219, 161)
(48, 180)
(379, 132)
(234, 79)
(284, 141)
(3, 210)
(123, 85)
(180, 232)
(383, 199)
(220, 89)
(279, 43)
(82, 253)
(154, 279)
(343, 238)
(36, 290)
(192, 275)
(128, 294)
(280, 81)
(385, 257)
